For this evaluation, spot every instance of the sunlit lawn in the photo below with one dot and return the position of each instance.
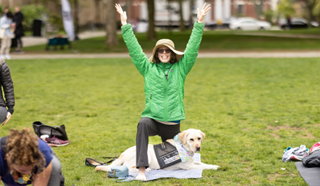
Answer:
(212, 41)
(249, 109)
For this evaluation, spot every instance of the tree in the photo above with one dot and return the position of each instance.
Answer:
(286, 8)
(191, 14)
(97, 12)
(151, 35)
(111, 25)
(76, 19)
(258, 5)
(182, 26)
(309, 6)
(316, 10)
(169, 9)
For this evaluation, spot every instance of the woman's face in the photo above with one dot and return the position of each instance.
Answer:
(22, 169)
(164, 54)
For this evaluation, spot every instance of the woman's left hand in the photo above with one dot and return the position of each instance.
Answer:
(201, 13)
(8, 118)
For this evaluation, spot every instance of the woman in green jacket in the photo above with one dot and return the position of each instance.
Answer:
(164, 75)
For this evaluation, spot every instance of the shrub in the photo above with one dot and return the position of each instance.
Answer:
(31, 12)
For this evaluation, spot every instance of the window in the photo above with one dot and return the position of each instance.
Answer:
(240, 10)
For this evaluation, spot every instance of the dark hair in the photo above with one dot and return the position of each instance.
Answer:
(9, 15)
(173, 57)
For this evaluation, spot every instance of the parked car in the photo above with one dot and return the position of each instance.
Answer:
(248, 23)
(224, 24)
(296, 23)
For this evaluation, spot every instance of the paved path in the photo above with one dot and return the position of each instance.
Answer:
(31, 41)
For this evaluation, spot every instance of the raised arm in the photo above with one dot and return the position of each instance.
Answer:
(201, 13)
(191, 52)
(123, 14)
(139, 59)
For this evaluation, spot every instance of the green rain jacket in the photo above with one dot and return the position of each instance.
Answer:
(164, 98)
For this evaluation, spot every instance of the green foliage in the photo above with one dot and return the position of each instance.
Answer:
(316, 9)
(32, 12)
(269, 14)
(56, 21)
(286, 8)
(249, 109)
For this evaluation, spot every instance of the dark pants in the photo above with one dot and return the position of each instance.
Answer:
(19, 42)
(149, 127)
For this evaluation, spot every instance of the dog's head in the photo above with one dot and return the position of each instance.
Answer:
(191, 139)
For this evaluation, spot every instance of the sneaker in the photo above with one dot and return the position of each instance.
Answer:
(2, 57)
(7, 56)
(56, 142)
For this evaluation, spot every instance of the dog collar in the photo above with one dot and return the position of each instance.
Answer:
(183, 153)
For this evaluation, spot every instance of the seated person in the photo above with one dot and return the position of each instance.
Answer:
(25, 159)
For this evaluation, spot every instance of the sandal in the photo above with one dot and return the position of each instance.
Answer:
(93, 162)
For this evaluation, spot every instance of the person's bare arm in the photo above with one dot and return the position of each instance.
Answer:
(42, 178)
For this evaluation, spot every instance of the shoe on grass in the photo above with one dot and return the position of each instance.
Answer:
(56, 142)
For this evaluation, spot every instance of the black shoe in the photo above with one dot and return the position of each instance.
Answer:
(93, 163)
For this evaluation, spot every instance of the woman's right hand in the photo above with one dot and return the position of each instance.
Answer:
(123, 14)
(8, 118)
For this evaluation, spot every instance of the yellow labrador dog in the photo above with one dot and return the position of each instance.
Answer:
(187, 143)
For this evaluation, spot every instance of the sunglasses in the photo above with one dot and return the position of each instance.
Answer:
(161, 51)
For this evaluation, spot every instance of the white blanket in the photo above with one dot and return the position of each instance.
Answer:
(180, 174)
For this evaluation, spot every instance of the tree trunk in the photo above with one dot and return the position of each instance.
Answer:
(309, 8)
(151, 35)
(191, 14)
(170, 19)
(111, 24)
(258, 8)
(97, 12)
(182, 26)
(76, 20)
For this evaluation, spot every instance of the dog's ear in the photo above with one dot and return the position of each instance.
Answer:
(183, 137)
(203, 135)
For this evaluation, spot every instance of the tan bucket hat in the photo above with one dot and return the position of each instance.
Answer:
(168, 43)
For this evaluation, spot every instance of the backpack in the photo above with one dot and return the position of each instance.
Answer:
(42, 129)
(313, 160)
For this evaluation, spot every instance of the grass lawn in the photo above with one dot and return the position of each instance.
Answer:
(251, 110)
(212, 41)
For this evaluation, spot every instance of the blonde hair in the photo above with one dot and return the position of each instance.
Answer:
(22, 149)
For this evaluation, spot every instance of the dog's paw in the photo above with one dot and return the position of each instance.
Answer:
(102, 168)
(148, 169)
(214, 167)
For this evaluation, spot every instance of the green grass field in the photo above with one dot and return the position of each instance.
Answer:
(212, 41)
(251, 110)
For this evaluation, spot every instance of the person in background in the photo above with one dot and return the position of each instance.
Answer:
(25, 159)
(6, 84)
(7, 24)
(18, 32)
(5, 11)
(164, 75)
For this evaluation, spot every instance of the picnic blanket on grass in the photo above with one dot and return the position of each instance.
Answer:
(310, 175)
(179, 174)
